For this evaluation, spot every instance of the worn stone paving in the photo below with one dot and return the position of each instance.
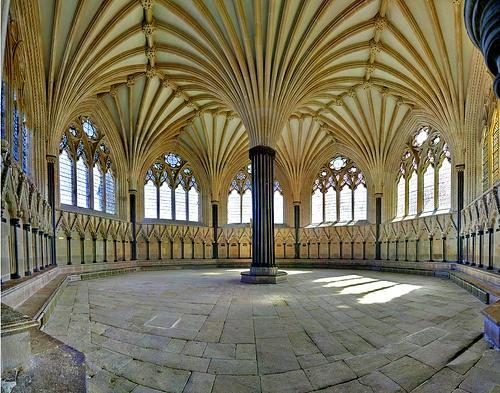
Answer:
(321, 331)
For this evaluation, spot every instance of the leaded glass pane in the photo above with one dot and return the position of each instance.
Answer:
(345, 204)
(331, 205)
(150, 200)
(278, 207)
(194, 201)
(15, 134)
(246, 211)
(233, 208)
(98, 188)
(429, 189)
(165, 202)
(317, 207)
(26, 149)
(486, 168)
(82, 183)
(110, 193)
(412, 194)
(360, 202)
(89, 129)
(180, 203)
(401, 197)
(445, 185)
(65, 178)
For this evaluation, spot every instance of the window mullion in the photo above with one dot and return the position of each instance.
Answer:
(187, 206)
(158, 201)
(172, 201)
(323, 206)
(90, 191)
(352, 203)
(74, 187)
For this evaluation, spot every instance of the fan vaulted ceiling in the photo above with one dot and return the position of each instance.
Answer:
(299, 76)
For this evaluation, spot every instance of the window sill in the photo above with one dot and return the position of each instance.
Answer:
(89, 212)
(161, 221)
(423, 215)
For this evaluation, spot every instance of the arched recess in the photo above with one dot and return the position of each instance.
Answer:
(112, 140)
(162, 182)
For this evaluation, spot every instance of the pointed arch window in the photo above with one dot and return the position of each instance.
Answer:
(339, 193)
(86, 178)
(491, 150)
(425, 175)
(239, 200)
(171, 191)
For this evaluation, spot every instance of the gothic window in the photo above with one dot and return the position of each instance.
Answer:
(171, 191)
(339, 193)
(15, 130)
(278, 203)
(427, 158)
(26, 147)
(239, 200)
(3, 108)
(86, 178)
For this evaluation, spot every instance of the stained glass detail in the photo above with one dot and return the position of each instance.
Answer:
(15, 134)
(3, 109)
(26, 148)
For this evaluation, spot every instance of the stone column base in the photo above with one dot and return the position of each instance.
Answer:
(263, 275)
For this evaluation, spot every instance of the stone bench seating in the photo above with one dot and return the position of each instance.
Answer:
(492, 324)
(486, 291)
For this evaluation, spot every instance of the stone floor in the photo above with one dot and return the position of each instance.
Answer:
(321, 331)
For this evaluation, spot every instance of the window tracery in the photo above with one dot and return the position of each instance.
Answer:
(86, 178)
(239, 200)
(491, 152)
(424, 180)
(171, 191)
(339, 193)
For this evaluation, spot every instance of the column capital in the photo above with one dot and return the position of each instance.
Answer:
(297, 203)
(27, 227)
(133, 192)
(378, 195)
(460, 167)
(258, 150)
(14, 222)
(34, 230)
(215, 202)
(51, 159)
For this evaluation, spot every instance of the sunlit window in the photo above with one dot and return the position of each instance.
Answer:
(278, 203)
(165, 202)
(82, 183)
(339, 191)
(65, 178)
(401, 197)
(85, 168)
(412, 193)
(445, 185)
(425, 157)
(239, 199)
(490, 150)
(150, 200)
(360, 198)
(98, 188)
(171, 191)
(429, 189)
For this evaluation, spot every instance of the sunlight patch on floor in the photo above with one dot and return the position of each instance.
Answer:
(388, 294)
(347, 283)
(369, 287)
(340, 278)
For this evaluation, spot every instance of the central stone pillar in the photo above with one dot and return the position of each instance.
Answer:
(263, 269)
